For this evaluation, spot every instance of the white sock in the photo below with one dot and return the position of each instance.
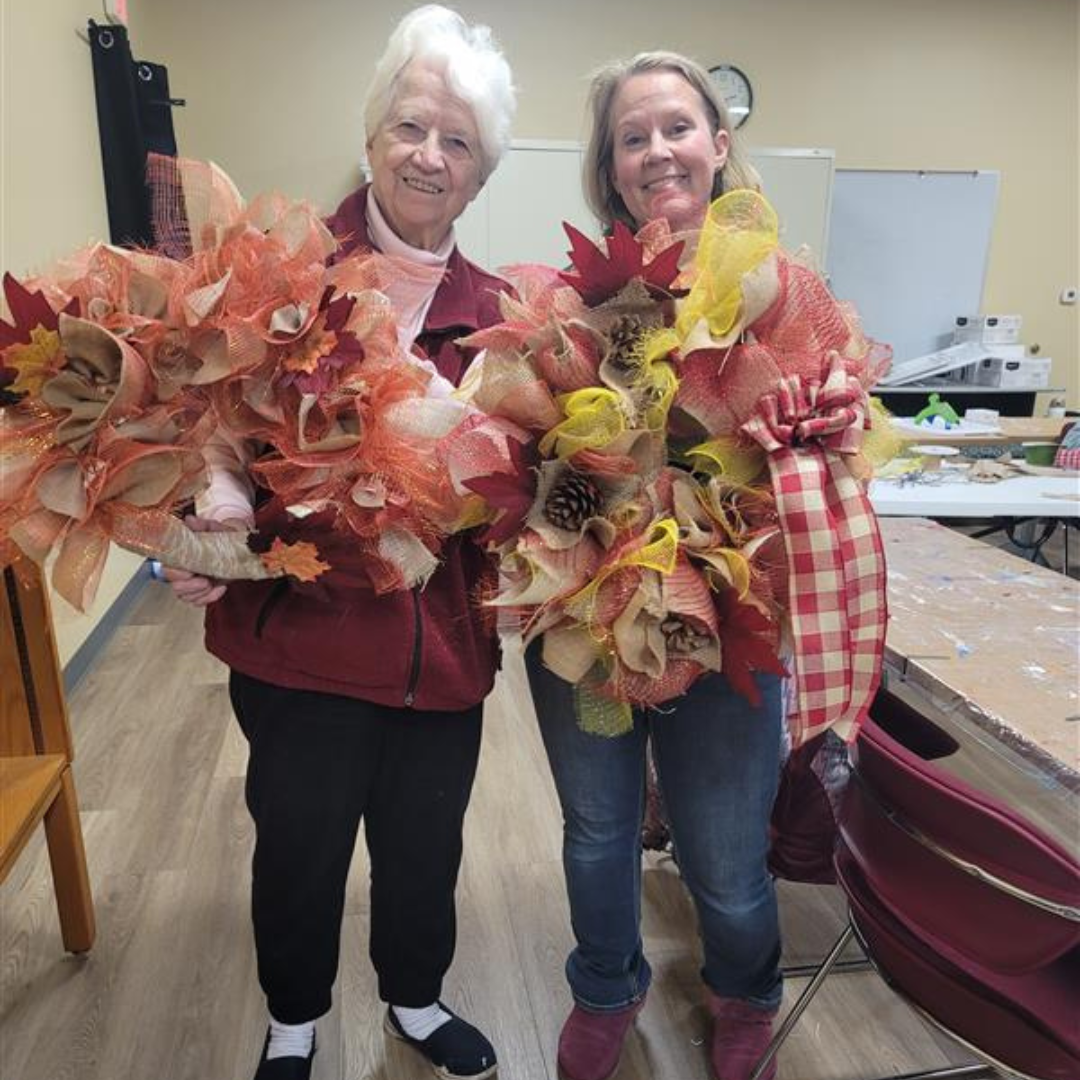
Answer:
(420, 1023)
(290, 1040)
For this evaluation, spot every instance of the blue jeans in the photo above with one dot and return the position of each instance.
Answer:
(718, 760)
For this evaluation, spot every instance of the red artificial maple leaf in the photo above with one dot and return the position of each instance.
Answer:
(601, 275)
(744, 646)
(29, 310)
(315, 362)
(510, 493)
(30, 313)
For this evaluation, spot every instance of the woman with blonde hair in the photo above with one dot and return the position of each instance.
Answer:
(662, 147)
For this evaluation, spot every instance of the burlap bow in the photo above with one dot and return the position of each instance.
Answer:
(834, 551)
(83, 504)
(103, 380)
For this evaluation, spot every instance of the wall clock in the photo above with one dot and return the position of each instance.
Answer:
(734, 90)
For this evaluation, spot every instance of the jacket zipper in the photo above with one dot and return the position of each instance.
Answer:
(274, 597)
(418, 640)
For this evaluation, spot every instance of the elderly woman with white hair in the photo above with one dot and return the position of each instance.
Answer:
(363, 706)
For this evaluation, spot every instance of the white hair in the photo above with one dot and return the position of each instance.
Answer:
(475, 70)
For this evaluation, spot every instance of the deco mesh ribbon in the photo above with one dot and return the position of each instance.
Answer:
(121, 368)
(690, 500)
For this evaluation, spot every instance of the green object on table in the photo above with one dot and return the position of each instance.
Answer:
(1040, 453)
(935, 408)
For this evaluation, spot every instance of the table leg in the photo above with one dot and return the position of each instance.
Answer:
(1033, 539)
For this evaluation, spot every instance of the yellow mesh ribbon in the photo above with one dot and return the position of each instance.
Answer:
(594, 418)
(728, 513)
(880, 443)
(657, 553)
(657, 384)
(727, 566)
(730, 566)
(740, 231)
(659, 343)
(736, 462)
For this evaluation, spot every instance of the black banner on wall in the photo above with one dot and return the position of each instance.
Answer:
(134, 111)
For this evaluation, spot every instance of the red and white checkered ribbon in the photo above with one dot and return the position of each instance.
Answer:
(835, 556)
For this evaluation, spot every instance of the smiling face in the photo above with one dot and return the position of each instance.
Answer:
(425, 158)
(665, 154)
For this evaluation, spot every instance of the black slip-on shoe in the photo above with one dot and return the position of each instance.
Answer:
(456, 1050)
(283, 1068)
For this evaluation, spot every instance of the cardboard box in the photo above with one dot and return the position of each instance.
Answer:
(1029, 373)
(988, 329)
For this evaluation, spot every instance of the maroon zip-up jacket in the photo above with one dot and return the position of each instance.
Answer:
(429, 648)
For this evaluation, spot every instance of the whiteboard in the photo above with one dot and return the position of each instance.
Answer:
(910, 249)
(518, 215)
(799, 185)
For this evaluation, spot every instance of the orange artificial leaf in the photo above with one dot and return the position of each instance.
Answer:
(300, 560)
(305, 354)
(34, 362)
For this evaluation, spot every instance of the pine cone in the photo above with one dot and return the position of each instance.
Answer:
(623, 338)
(682, 638)
(573, 500)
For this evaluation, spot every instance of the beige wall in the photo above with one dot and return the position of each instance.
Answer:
(52, 197)
(274, 91)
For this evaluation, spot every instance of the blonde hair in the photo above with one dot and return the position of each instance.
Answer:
(475, 69)
(598, 166)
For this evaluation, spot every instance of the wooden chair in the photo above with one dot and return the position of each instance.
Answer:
(36, 752)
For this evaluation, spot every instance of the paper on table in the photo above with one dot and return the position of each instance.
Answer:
(965, 427)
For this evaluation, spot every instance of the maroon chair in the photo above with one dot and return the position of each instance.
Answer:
(1023, 1024)
(962, 905)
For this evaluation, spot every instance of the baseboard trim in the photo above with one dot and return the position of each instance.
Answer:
(84, 656)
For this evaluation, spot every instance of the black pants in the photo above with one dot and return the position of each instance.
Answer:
(318, 763)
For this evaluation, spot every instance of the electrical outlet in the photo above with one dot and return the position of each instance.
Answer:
(1068, 296)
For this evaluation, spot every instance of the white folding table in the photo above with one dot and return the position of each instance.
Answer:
(947, 494)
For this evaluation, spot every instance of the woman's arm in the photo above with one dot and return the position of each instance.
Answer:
(226, 504)
(230, 495)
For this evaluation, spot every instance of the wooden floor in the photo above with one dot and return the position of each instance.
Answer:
(169, 990)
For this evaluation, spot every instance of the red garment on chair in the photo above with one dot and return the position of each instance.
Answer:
(803, 824)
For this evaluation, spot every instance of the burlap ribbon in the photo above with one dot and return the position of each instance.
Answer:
(834, 552)
(103, 380)
(83, 503)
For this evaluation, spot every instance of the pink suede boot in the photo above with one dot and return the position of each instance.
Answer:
(741, 1032)
(591, 1043)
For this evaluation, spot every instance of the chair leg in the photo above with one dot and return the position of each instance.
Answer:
(67, 856)
(830, 963)
(947, 1072)
(841, 967)
(950, 1072)
(803, 1001)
